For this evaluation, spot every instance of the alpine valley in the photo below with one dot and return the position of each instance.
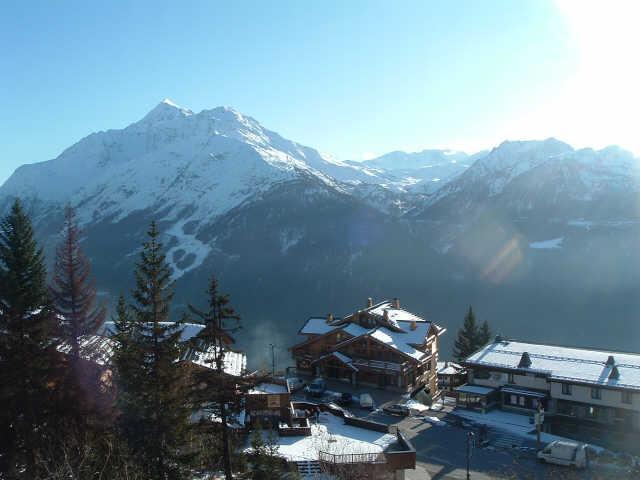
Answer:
(534, 234)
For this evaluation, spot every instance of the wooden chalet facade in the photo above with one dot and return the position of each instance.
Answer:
(381, 345)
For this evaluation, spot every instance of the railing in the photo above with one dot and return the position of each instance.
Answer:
(351, 458)
(377, 364)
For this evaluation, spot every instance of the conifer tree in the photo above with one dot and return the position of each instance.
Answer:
(265, 462)
(72, 290)
(467, 339)
(152, 391)
(484, 334)
(28, 356)
(215, 390)
(74, 301)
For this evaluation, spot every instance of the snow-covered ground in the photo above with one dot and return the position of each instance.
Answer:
(331, 435)
(513, 423)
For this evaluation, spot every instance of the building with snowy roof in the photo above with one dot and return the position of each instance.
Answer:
(595, 390)
(381, 345)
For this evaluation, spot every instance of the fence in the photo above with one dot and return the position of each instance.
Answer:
(351, 458)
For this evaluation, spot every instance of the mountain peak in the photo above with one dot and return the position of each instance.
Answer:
(167, 109)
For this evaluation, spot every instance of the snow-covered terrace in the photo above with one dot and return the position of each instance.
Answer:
(268, 388)
(332, 436)
(564, 363)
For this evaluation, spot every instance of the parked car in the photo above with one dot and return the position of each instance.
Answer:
(295, 384)
(396, 409)
(366, 401)
(316, 388)
(564, 453)
(345, 399)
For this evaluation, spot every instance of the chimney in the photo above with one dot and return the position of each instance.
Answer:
(413, 325)
(614, 374)
(525, 360)
(446, 363)
(329, 317)
(610, 361)
(396, 302)
(369, 302)
(498, 339)
(385, 314)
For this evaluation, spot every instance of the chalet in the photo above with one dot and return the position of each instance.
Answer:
(234, 362)
(381, 345)
(450, 376)
(590, 394)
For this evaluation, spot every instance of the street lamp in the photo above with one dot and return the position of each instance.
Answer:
(470, 436)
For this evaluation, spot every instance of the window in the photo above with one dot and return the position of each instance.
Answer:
(566, 389)
(596, 393)
(511, 378)
(627, 397)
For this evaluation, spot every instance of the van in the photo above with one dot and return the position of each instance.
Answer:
(366, 401)
(564, 453)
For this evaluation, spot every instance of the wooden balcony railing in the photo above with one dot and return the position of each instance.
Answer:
(351, 458)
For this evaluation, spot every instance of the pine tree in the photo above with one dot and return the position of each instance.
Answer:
(28, 356)
(265, 462)
(152, 391)
(72, 290)
(467, 339)
(216, 391)
(74, 301)
(484, 334)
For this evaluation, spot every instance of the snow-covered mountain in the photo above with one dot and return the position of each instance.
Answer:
(292, 232)
(420, 172)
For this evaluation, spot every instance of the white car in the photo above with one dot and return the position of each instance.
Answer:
(564, 453)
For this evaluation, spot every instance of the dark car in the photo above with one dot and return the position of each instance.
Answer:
(344, 399)
(396, 409)
(316, 388)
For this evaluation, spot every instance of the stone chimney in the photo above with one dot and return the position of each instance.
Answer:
(385, 314)
(413, 325)
(396, 302)
(369, 302)
(610, 361)
(329, 317)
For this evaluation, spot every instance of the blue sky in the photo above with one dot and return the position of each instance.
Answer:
(354, 79)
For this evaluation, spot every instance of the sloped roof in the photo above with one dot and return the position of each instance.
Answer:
(234, 363)
(189, 330)
(563, 363)
(316, 326)
(94, 348)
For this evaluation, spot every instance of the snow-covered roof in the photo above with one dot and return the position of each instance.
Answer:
(563, 363)
(355, 330)
(395, 314)
(397, 341)
(269, 388)
(189, 331)
(332, 436)
(449, 368)
(316, 326)
(475, 389)
(234, 363)
(340, 356)
(94, 348)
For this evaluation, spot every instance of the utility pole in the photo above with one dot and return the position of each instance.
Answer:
(469, 439)
(273, 359)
